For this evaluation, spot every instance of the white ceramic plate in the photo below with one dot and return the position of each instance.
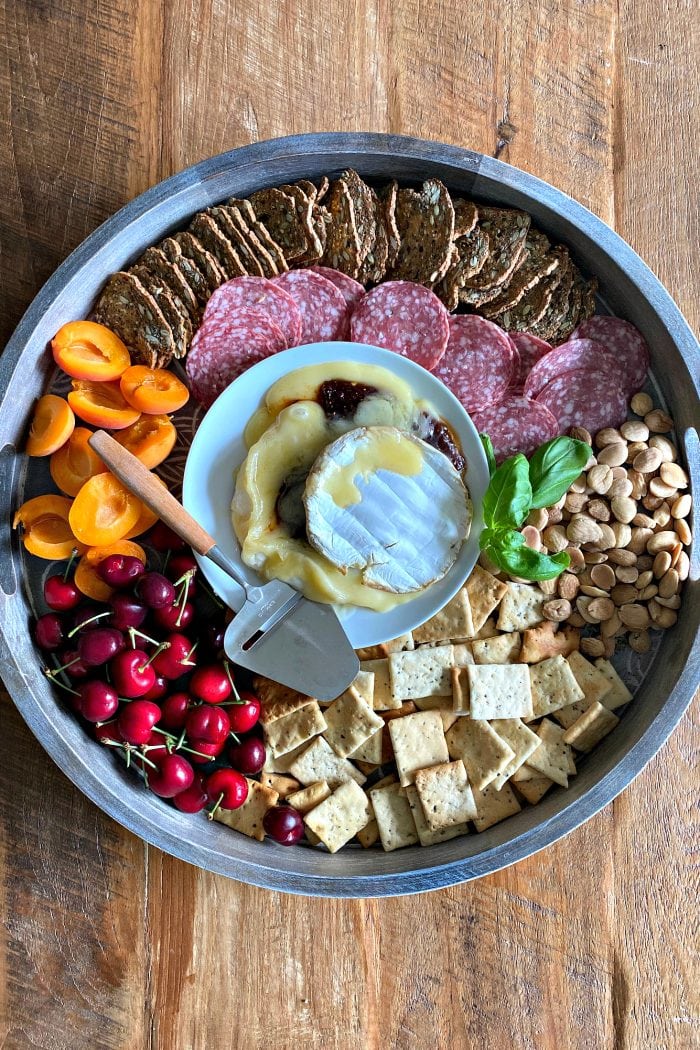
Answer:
(218, 450)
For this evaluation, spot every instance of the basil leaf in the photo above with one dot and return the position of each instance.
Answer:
(508, 498)
(553, 467)
(510, 552)
(490, 454)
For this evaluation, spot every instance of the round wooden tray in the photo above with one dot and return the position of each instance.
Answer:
(628, 288)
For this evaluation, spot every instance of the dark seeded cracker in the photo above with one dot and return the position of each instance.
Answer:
(472, 253)
(536, 266)
(534, 305)
(387, 197)
(188, 268)
(364, 211)
(560, 302)
(158, 263)
(466, 217)
(192, 248)
(426, 222)
(170, 305)
(306, 215)
(206, 230)
(342, 251)
(507, 229)
(374, 264)
(258, 232)
(247, 253)
(133, 314)
(277, 210)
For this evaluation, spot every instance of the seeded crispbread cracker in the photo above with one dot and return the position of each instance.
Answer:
(289, 731)
(427, 836)
(248, 818)
(553, 758)
(618, 694)
(460, 690)
(545, 640)
(170, 306)
(363, 684)
(350, 722)
(192, 248)
(485, 754)
(217, 244)
(520, 608)
(499, 691)
(494, 806)
(387, 197)
(418, 741)
(466, 216)
(521, 739)
(189, 269)
(501, 649)
(507, 229)
(278, 211)
(454, 620)
(445, 794)
(309, 797)
(394, 818)
(339, 817)
(370, 750)
(374, 265)
(320, 762)
(469, 256)
(535, 789)
(343, 244)
(307, 214)
(277, 700)
(155, 260)
(591, 680)
(423, 672)
(539, 263)
(425, 222)
(553, 686)
(241, 243)
(283, 785)
(132, 313)
(382, 698)
(591, 727)
(485, 592)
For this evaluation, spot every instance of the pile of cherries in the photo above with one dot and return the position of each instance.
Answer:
(161, 696)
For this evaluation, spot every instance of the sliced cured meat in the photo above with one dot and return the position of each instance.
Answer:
(224, 347)
(479, 362)
(350, 289)
(570, 357)
(516, 424)
(625, 341)
(584, 399)
(322, 307)
(404, 317)
(257, 293)
(530, 350)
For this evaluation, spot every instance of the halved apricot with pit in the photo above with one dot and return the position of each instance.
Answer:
(104, 511)
(52, 424)
(87, 579)
(102, 404)
(153, 390)
(151, 439)
(87, 350)
(75, 462)
(46, 527)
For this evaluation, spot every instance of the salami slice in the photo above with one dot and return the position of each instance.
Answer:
(626, 342)
(323, 308)
(516, 424)
(404, 317)
(224, 347)
(350, 289)
(530, 350)
(572, 356)
(584, 399)
(479, 362)
(257, 293)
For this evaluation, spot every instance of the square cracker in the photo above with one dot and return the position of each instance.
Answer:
(438, 703)
(364, 686)
(485, 754)
(553, 686)
(350, 722)
(543, 641)
(462, 654)
(501, 649)
(521, 739)
(370, 750)
(394, 818)
(553, 758)
(484, 592)
(534, 789)
(418, 741)
(289, 731)
(489, 629)
(423, 672)
(340, 816)
(248, 818)
(277, 700)
(446, 795)
(382, 700)
(521, 607)
(499, 691)
(283, 785)
(394, 645)
(369, 834)
(284, 762)
(591, 727)
(618, 694)
(591, 680)
(427, 836)
(460, 690)
(566, 716)
(454, 620)
(309, 797)
(493, 806)
(320, 762)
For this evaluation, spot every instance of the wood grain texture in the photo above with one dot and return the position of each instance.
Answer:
(106, 943)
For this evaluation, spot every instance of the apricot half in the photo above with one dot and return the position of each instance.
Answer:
(102, 404)
(47, 532)
(104, 511)
(52, 424)
(87, 350)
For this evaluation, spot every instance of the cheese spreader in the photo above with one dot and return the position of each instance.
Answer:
(277, 632)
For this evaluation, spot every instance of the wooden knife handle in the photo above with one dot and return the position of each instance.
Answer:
(139, 480)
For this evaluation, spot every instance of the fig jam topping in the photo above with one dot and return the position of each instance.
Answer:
(439, 435)
(340, 398)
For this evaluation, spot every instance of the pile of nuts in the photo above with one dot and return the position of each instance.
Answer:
(624, 525)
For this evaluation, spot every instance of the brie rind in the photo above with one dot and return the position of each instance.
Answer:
(388, 504)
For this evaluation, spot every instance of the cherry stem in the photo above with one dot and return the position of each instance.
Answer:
(227, 669)
(211, 813)
(91, 619)
(191, 751)
(166, 559)
(133, 632)
(237, 739)
(181, 600)
(59, 683)
(73, 556)
(58, 670)
(164, 732)
(187, 662)
(181, 740)
(161, 647)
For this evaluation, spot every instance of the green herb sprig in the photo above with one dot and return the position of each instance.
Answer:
(516, 488)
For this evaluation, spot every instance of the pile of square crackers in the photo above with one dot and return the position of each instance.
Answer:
(454, 727)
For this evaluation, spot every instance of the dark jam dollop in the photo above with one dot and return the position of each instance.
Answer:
(340, 398)
(439, 435)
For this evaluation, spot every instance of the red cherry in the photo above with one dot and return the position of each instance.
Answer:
(174, 617)
(99, 645)
(162, 538)
(206, 751)
(132, 674)
(61, 595)
(194, 798)
(174, 709)
(48, 632)
(284, 825)
(244, 716)
(73, 665)
(156, 744)
(85, 617)
(108, 733)
(207, 723)
(158, 689)
(179, 564)
(126, 612)
(120, 570)
(177, 659)
(227, 788)
(173, 775)
(249, 756)
(155, 590)
(98, 701)
(211, 684)
(214, 637)
(136, 721)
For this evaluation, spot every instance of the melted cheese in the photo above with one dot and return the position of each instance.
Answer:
(388, 451)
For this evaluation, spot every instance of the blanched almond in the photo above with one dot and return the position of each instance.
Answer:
(647, 461)
(641, 403)
(668, 450)
(683, 530)
(603, 576)
(598, 510)
(620, 487)
(624, 508)
(627, 573)
(614, 454)
(662, 516)
(644, 579)
(607, 436)
(681, 506)
(601, 609)
(538, 518)
(638, 540)
(661, 541)
(576, 558)
(581, 434)
(674, 602)
(548, 587)
(634, 616)
(611, 626)
(674, 475)
(662, 617)
(575, 502)
(600, 478)
(558, 610)
(669, 583)
(683, 566)
(635, 430)
(582, 529)
(622, 593)
(662, 563)
(639, 485)
(658, 422)
(634, 448)
(622, 532)
(555, 539)
(620, 556)
(658, 487)
(568, 586)
(592, 647)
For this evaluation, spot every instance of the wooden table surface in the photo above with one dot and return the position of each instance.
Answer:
(107, 943)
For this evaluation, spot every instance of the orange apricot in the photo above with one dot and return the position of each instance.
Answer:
(103, 511)
(87, 350)
(75, 462)
(151, 439)
(46, 527)
(52, 424)
(102, 404)
(153, 390)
